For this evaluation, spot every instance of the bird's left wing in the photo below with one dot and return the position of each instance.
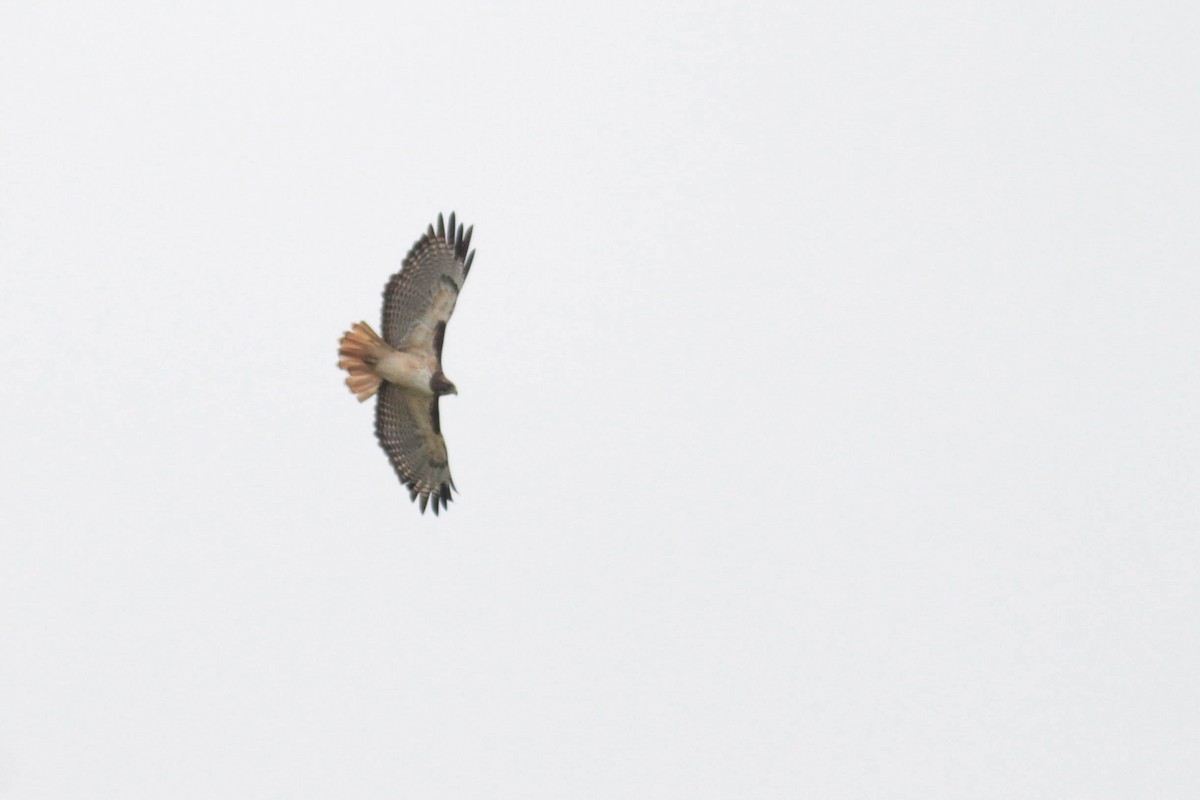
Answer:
(419, 299)
(409, 431)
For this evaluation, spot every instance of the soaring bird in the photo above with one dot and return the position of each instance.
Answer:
(404, 366)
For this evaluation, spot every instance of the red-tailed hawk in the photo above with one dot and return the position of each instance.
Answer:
(404, 366)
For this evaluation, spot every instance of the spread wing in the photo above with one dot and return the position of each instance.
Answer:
(409, 431)
(419, 299)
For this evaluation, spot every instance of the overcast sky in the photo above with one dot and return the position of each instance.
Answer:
(827, 414)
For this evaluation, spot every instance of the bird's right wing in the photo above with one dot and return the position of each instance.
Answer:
(421, 296)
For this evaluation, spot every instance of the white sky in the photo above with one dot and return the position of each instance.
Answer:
(827, 422)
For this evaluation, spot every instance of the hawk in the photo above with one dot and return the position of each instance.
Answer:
(404, 366)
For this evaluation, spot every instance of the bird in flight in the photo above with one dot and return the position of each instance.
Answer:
(404, 366)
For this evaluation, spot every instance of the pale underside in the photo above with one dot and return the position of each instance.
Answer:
(417, 303)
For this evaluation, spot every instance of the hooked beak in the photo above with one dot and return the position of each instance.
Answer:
(439, 385)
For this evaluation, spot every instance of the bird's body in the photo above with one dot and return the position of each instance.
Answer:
(404, 365)
(409, 371)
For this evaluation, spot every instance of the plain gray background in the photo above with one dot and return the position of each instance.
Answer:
(827, 414)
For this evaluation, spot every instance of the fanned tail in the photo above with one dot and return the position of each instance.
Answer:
(358, 351)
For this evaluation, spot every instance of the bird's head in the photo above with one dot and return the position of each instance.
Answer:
(440, 385)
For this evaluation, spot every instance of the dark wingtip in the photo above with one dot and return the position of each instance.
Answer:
(424, 502)
(450, 231)
(441, 228)
(467, 264)
(465, 245)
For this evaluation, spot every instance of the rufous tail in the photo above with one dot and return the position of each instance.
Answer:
(359, 350)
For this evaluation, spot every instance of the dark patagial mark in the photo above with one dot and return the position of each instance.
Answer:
(435, 416)
(439, 338)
